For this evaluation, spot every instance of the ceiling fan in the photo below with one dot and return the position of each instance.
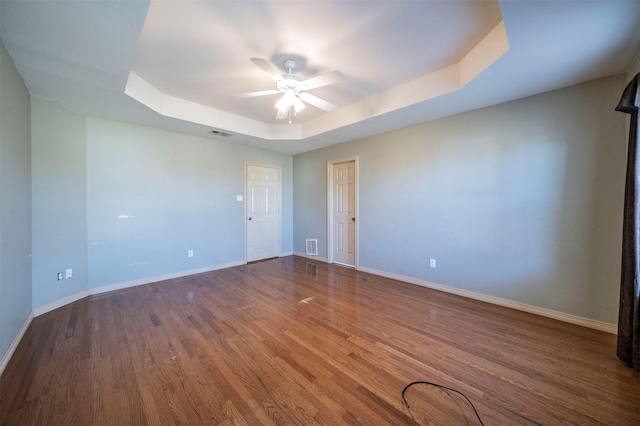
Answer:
(294, 89)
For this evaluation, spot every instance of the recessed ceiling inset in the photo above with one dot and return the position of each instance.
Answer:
(192, 57)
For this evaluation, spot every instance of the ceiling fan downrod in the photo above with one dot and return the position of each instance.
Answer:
(289, 65)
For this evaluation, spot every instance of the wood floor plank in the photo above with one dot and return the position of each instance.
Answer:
(293, 341)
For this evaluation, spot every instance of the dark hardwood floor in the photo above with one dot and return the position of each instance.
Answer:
(292, 341)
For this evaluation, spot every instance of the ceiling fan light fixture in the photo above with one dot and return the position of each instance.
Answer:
(283, 103)
(288, 100)
(294, 89)
(298, 105)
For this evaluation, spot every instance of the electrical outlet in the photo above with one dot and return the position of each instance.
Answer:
(68, 273)
(59, 276)
(190, 253)
(432, 263)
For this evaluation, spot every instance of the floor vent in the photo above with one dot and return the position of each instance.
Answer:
(312, 247)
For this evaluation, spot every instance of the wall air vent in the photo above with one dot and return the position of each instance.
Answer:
(312, 247)
(219, 133)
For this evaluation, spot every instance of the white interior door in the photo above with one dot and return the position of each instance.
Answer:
(344, 213)
(262, 188)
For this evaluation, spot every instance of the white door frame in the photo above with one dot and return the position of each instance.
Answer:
(330, 165)
(278, 206)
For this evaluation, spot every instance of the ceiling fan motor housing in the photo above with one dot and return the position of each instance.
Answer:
(294, 89)
(289, 82)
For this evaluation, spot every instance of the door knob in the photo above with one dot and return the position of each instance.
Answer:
(353, 219)
(250, 218)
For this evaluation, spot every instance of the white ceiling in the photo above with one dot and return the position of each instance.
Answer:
(404, 61)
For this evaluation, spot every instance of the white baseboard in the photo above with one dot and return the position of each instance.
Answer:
(14, 344)
(318, 258)
(59, 303)
(289, 253)
(572, 319)
(118, 286)
(549, 313)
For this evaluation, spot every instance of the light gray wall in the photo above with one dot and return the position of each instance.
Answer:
(154, 195)
(15, 202)
(521, 201)
(59, 204)
(634, 68)
(119, 203)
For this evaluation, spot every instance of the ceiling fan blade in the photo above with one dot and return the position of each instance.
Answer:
(317, 102)
(323, 80)
(281, 115)
(252, 94)
(265, 66)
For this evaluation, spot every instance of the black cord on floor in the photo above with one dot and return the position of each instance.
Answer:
(443, 387)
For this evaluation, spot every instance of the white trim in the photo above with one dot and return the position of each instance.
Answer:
(549, 313)
(289, 253)
(318, 258)
(572, 319)
(60, 303)
(118, 286)
(14, 344)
